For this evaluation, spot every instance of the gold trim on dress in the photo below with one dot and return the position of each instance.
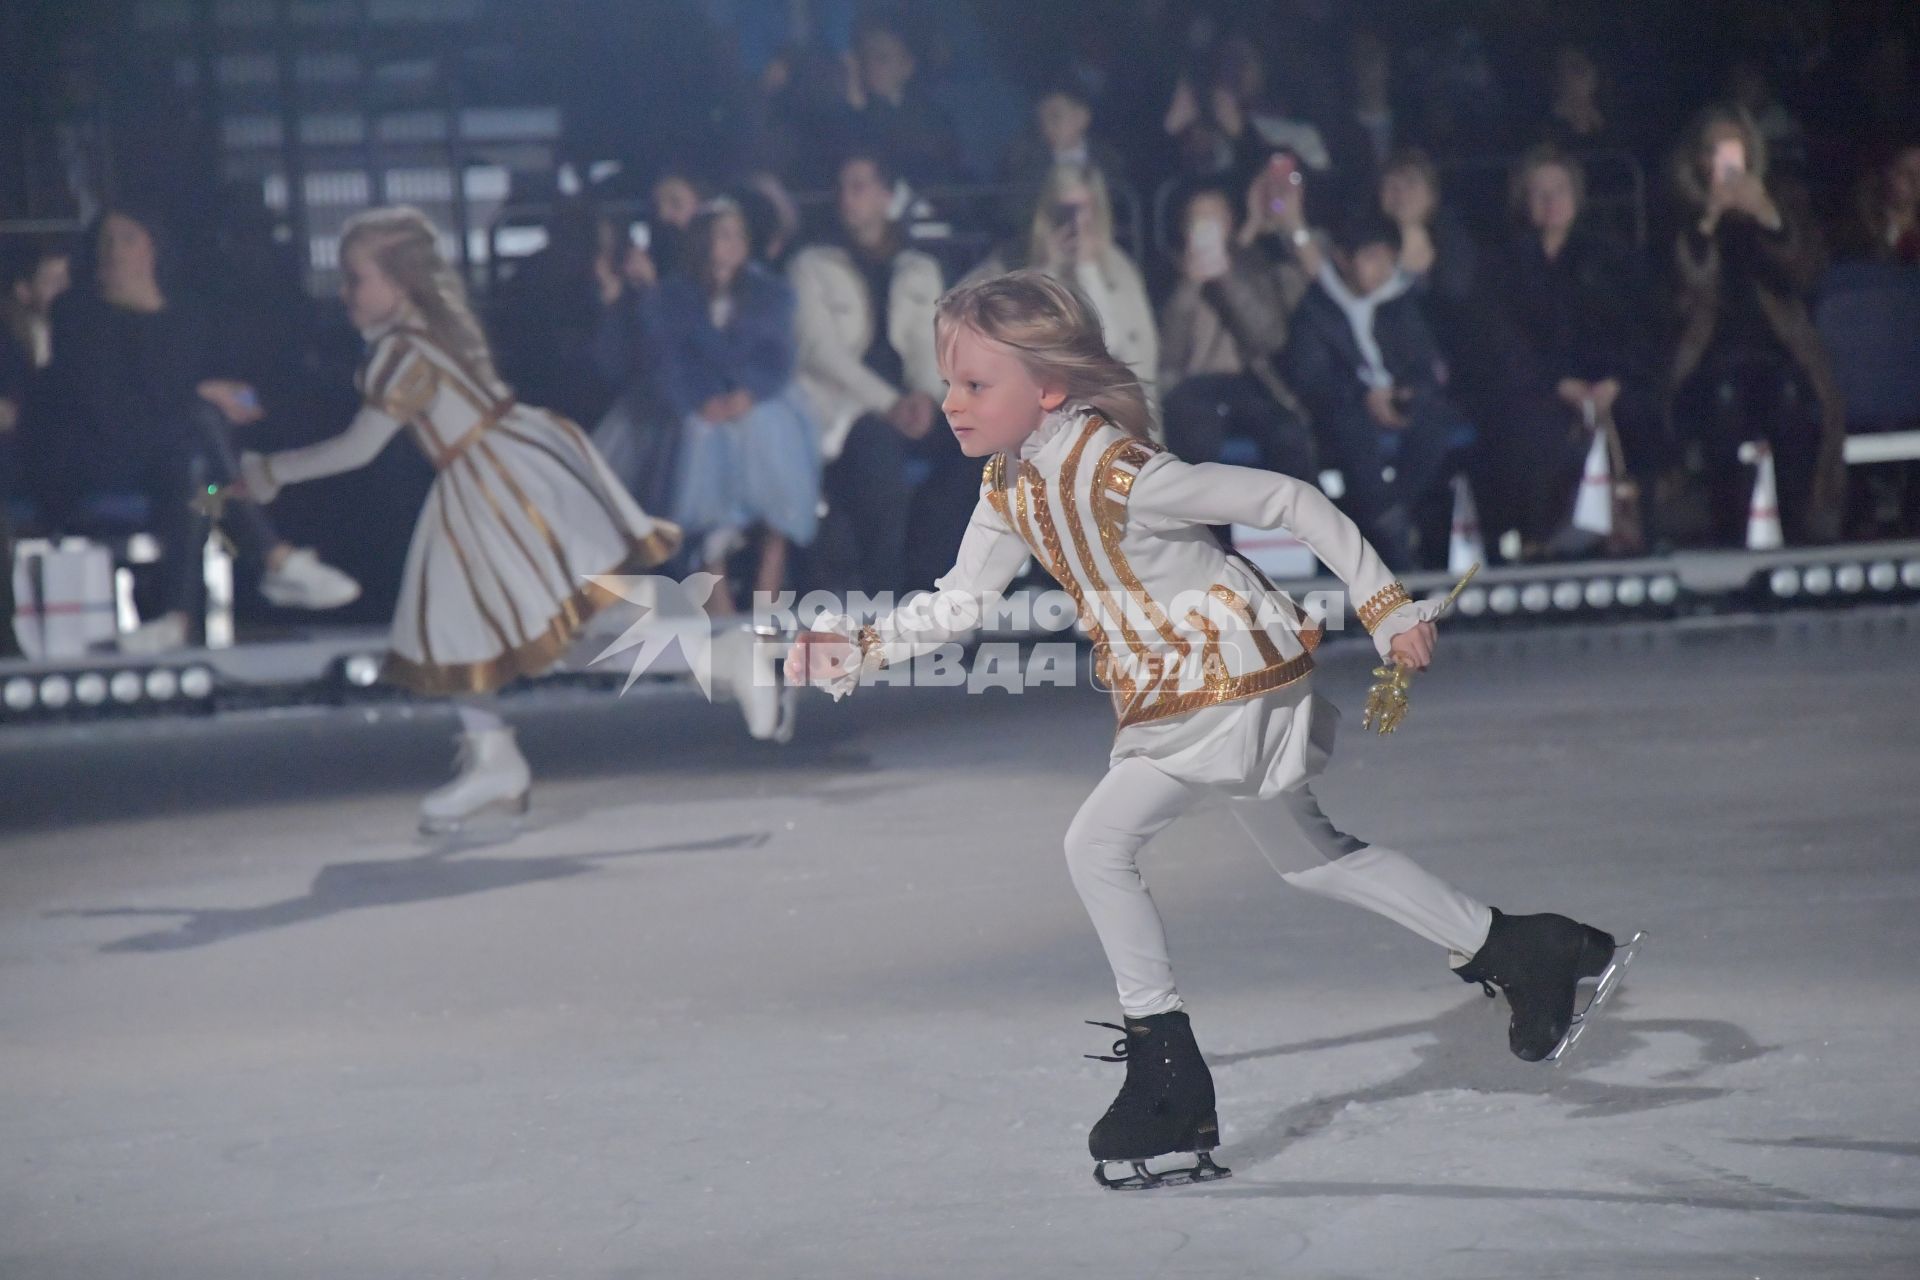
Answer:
(536, 657)
(1380, 604)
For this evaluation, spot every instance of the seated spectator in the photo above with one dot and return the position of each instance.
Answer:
(1437, 249)
(1751, 89)
(868, 366)
(1366, 366)
(773, 219)
(1220, 333)
(1063, 120)
(544, 319)
(675, 198)
(1749, 365)
(890, 111)
(799, 115)
(1230, 121)
(34, 277)
(1576, 334)
(638, 435)
(1575, 120)
(1369, 131)
(1072, 239)
(1889, 208)
(1435, 243)
(135, 403)
(724, 355)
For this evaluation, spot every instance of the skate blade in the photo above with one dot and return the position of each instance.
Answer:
(501, 818)
(1144, 1178)
(1604, 986)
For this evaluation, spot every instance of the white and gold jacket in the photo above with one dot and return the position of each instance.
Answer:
(1177, 621)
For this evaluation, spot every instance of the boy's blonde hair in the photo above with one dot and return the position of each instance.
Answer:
(405, 246)
(1054, 331)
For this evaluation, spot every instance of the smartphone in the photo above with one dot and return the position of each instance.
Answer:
(1208, 240)
(1729, 159)
(640, 235)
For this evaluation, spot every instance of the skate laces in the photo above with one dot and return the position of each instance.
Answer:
(1119, 1046)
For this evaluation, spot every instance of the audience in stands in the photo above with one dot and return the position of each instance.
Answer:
(136, 406)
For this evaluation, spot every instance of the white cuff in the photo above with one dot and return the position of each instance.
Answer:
(865, 638)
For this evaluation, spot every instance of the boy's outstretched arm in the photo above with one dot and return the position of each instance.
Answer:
(1216, 493)
(837, 648)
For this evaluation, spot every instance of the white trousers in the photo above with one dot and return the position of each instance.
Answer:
(1136, 800)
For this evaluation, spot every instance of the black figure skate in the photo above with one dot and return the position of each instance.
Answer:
(1165, 1106)
(1540, 961)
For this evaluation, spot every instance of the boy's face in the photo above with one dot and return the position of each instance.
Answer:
(993, 402)
(1370, 266)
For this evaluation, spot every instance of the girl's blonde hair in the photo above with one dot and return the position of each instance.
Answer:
(1061, 179)
(1054, 331)
(404, 244)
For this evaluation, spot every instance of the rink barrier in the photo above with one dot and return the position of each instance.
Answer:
(1597, 597)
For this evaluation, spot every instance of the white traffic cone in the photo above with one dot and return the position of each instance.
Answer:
(1593, 506)
(1763, 512)
(1465, 547)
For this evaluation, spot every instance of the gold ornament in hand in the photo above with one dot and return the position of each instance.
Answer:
(1387, 697)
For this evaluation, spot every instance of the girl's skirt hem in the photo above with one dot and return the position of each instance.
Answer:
(538, 655)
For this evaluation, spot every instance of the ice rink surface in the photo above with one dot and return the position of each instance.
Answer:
(732, 1010)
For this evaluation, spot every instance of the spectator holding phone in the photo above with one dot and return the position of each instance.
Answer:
(1749, 365)
(1071, 239)
(1221, 330)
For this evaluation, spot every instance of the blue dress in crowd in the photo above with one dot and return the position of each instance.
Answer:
(762, 468)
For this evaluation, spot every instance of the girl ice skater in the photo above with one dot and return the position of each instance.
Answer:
(521, 511)
(1209, 667)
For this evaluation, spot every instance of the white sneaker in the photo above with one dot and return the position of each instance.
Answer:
(746, 669)
(493, 778)
(304, 581)
(163, 635)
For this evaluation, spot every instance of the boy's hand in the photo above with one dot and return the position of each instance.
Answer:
(1413, 648)
(818, 656)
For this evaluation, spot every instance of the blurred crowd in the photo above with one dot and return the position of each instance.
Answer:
(1373, 263)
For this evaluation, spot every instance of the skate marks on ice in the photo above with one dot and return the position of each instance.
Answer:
(1443, 1066)
(384, 882)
